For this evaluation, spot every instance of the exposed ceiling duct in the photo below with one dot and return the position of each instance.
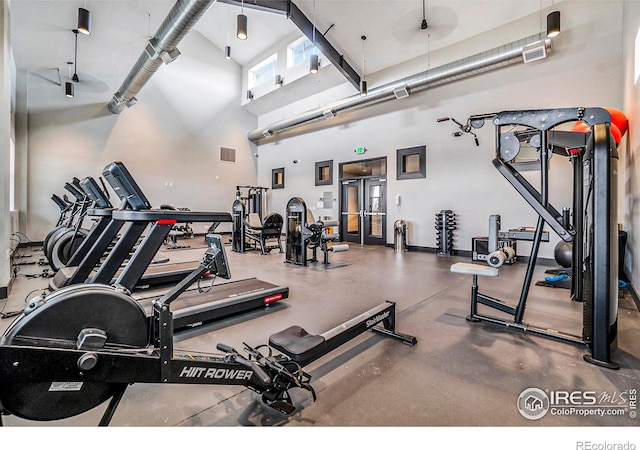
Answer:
(496, 58)
(161, 48)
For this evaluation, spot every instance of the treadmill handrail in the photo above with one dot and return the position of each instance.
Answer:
(165, 214)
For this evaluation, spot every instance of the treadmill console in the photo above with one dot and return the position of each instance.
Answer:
(125, 186)
(95, 193)
(214, 241)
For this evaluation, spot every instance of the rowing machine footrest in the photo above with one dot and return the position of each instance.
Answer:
(297, 344)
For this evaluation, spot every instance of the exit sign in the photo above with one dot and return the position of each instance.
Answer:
(360, 150)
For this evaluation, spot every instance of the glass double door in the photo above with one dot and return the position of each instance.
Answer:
(363, 209)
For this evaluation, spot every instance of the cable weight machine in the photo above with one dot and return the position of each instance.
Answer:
(252, 202)
(303, 233)
(593, 230)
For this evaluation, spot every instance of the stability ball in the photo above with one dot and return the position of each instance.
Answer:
(581, 127)
(563, 254)
(615, 132)
(618, 119)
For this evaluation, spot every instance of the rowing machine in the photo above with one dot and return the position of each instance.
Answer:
(84, 344)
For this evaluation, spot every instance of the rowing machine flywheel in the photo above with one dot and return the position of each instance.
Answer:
(56, 321)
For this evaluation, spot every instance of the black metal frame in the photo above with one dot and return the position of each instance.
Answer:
(598, 288)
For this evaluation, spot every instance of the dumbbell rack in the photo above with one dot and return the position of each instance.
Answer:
(445, 224)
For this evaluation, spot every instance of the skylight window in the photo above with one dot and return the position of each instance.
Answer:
(299, 51)
(263, 71)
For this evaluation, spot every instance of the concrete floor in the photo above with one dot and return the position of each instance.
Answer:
(459, 374)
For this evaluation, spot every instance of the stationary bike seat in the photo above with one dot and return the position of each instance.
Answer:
(297, 344)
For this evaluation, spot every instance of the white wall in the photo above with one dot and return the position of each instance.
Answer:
(169, 140)
(192, 107)
(583, 70)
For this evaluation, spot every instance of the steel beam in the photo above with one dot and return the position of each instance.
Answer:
(301, 21)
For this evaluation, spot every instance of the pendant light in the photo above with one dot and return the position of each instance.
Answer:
(553, 24)
(314, 63)
(423, 25)
(68, 86)
(227, 49)
(241, 32)
(363, 83)
(84, 20)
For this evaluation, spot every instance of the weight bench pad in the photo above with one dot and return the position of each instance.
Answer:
(297, 344)
(254, 221)
(475, 269)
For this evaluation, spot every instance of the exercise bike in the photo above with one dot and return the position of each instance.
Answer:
(84, 344)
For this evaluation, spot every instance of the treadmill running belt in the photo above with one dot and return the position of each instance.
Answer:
(193, 308)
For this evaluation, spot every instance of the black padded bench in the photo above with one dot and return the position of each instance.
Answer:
(297, 344)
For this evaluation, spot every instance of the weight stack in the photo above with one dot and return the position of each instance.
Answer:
(445, 224)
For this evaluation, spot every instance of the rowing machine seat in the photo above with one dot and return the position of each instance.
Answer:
(297, 344)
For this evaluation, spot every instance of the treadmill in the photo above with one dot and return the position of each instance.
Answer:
(192, 308)
(196, 307)
(81, 267)
(96, 243)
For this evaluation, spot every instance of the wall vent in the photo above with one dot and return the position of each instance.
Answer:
(534, 52)
(227, 154)
(401, 92)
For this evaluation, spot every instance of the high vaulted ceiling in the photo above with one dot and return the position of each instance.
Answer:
(42, 36)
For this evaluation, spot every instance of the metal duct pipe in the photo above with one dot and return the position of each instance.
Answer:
(480, 63)
(162, 47)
